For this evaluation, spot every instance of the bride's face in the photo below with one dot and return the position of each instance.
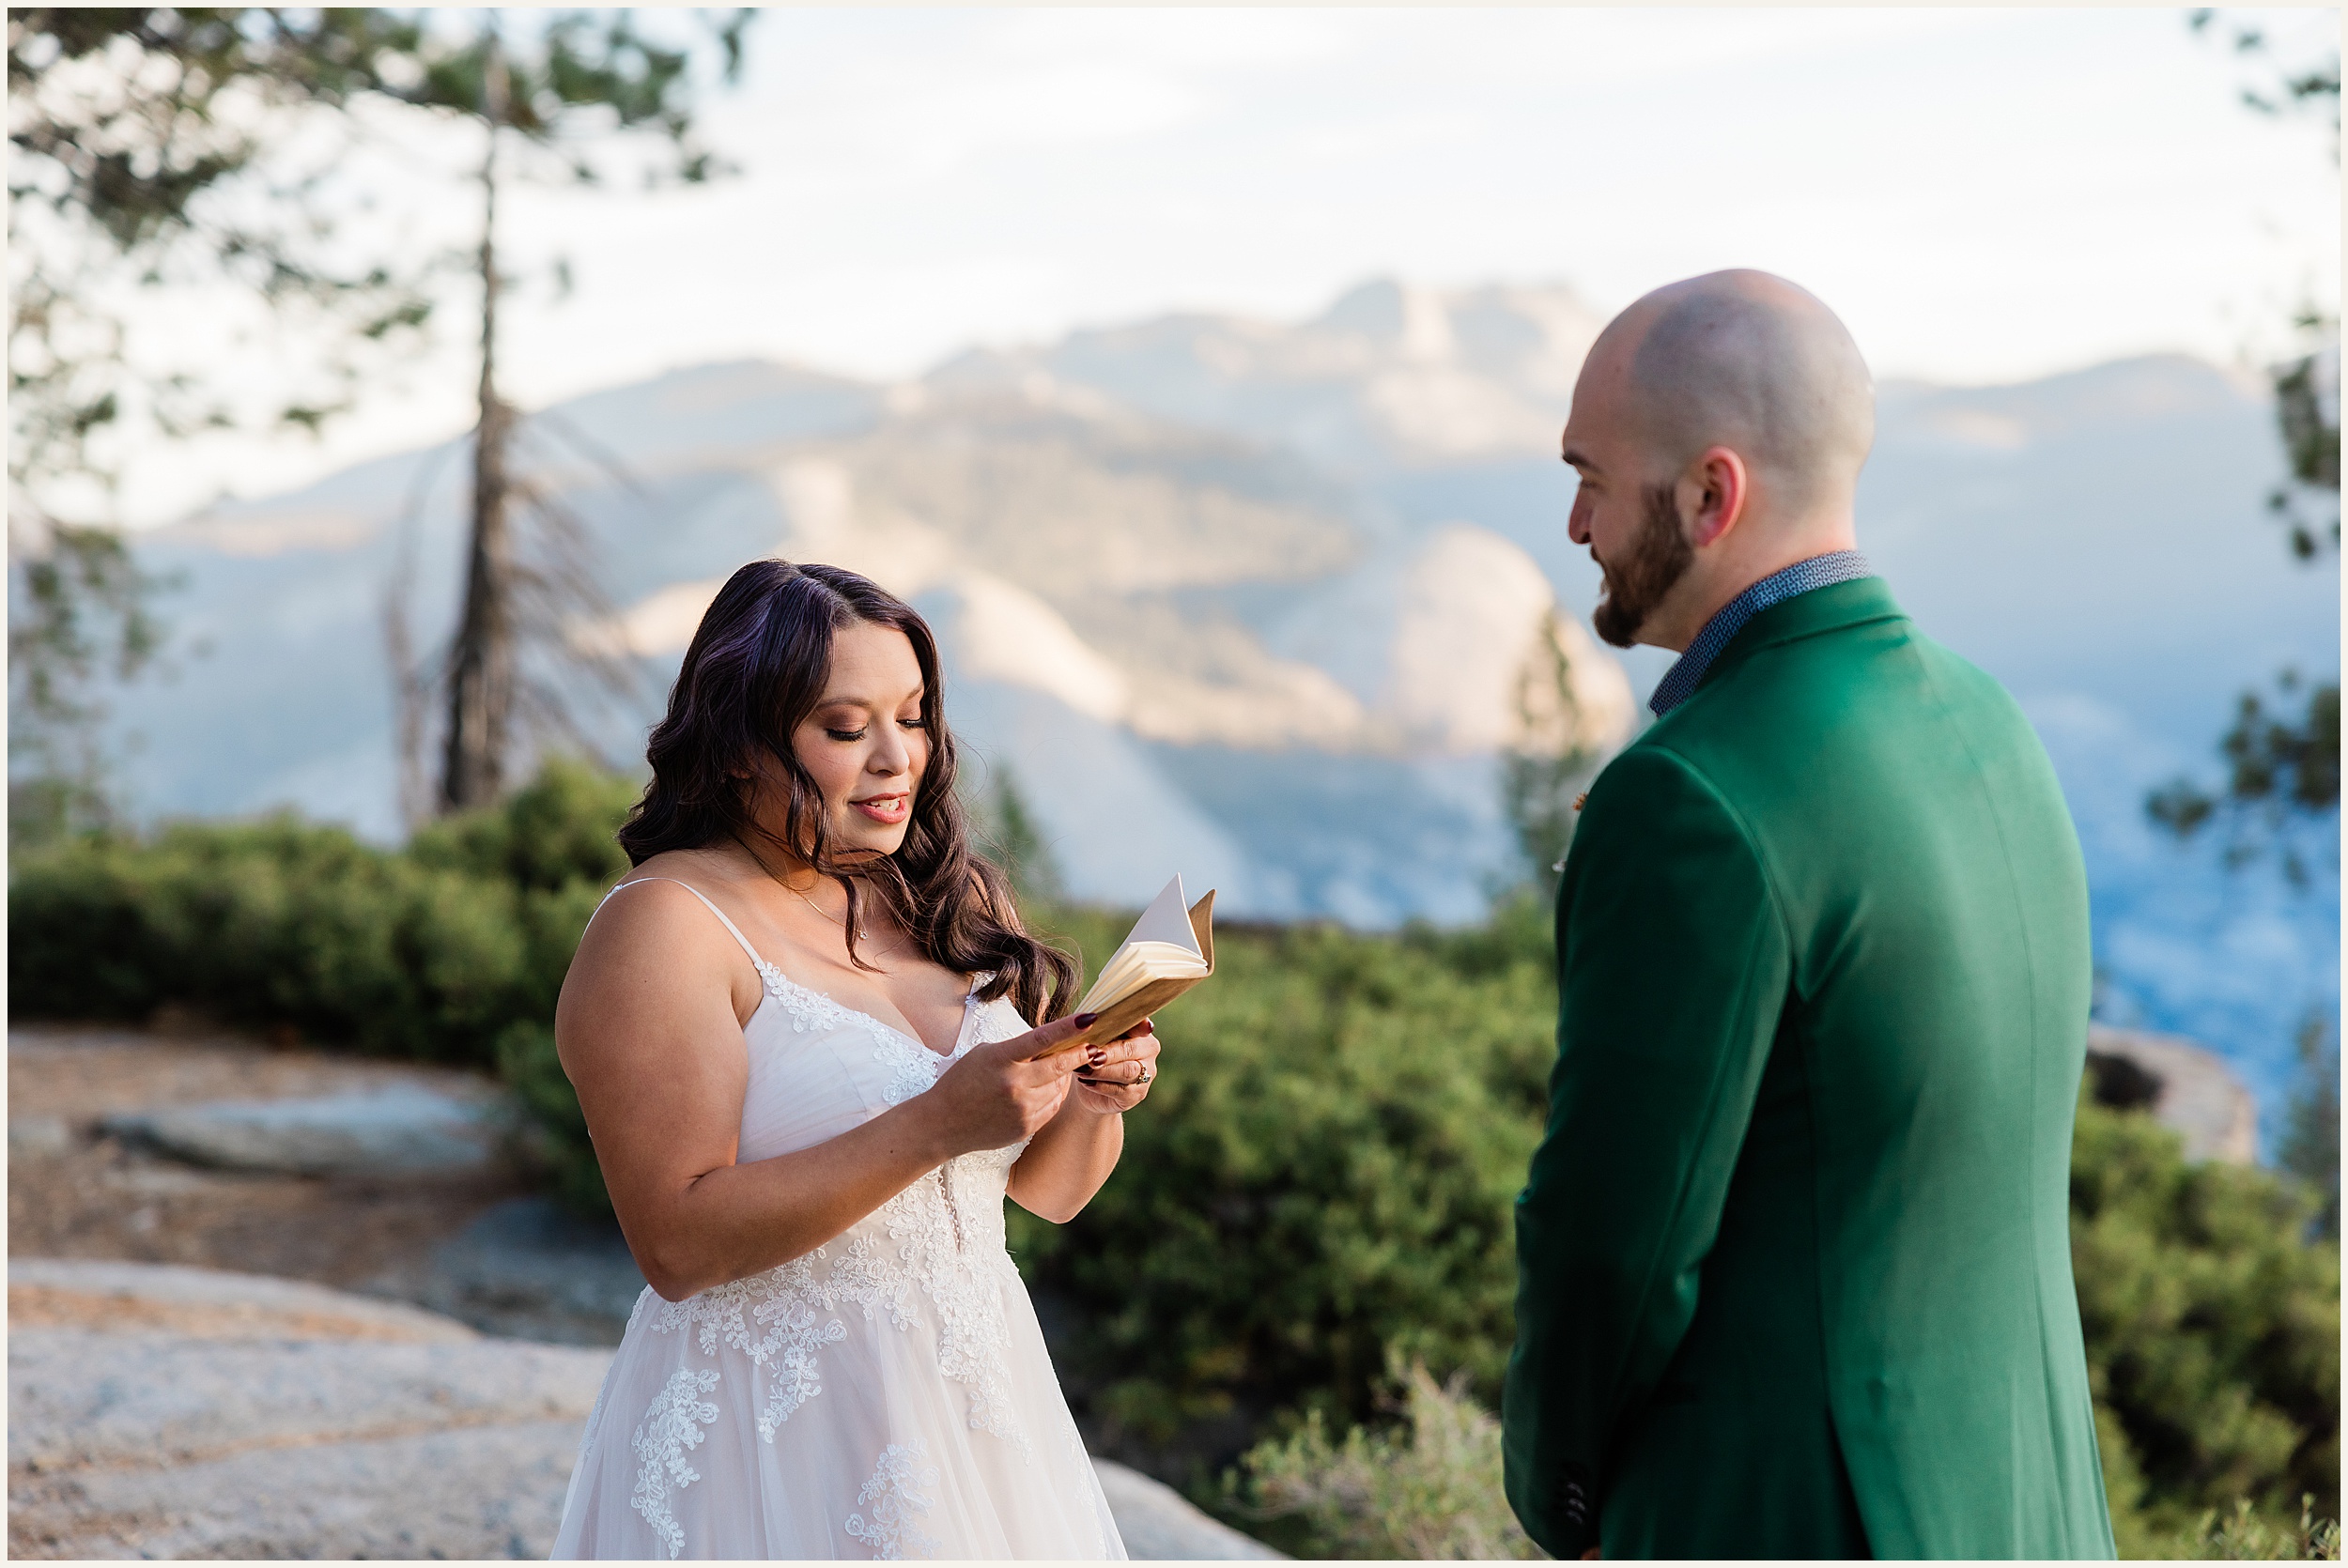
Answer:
(864, 743)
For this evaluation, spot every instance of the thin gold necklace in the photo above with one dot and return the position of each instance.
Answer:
(836, 921)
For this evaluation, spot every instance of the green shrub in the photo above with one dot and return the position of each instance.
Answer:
(557, 831)
(429, 953)
(2243, 1536)
(527, 1061)
(1429, 1488)
(1322, 1178)
(2213, 1331)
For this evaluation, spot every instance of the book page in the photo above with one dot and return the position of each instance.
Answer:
(1167, 919)
(1165, 925)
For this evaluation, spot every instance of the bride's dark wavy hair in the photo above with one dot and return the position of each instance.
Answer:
(755, 670)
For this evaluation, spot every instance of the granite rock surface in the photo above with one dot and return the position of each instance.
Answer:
(396, 1128)
(165, 1411)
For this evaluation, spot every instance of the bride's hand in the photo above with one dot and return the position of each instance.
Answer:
(1117, 1076)
(1003, 1093)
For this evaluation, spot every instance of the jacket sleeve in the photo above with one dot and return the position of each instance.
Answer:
(1673, 967)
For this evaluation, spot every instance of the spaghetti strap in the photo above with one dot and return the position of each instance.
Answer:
(756, 963)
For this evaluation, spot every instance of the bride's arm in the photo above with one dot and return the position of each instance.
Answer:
(1067, 1162)
(649, 1029)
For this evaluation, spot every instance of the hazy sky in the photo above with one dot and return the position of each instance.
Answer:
(1983, 194)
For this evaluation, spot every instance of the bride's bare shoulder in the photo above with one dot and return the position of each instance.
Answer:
(655, 915)
(654, 957)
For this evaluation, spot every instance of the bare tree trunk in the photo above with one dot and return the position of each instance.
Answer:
(481, 671)
(410, 691)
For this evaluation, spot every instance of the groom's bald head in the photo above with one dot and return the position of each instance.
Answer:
(1719, 426)
(1749, 362)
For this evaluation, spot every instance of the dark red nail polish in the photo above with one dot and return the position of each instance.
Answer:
(1086, 1020)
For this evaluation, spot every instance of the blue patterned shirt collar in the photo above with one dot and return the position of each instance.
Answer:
(1820, 571)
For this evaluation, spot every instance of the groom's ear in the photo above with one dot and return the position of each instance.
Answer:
(1712, 496)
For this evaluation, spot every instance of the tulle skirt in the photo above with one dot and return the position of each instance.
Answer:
(838, 1407)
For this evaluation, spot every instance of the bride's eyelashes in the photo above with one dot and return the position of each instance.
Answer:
(859, 734)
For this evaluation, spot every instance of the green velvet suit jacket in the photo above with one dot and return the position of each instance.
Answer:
(1794, 1270)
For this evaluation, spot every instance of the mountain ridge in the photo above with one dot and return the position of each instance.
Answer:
(1211, 590)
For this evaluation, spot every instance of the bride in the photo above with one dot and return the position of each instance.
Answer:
(800, 1033)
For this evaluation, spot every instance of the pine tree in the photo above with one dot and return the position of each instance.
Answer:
(129, 127)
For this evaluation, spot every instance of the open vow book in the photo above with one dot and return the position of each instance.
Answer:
(1167, 952)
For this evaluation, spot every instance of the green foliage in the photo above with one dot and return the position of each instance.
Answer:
(81, 612)
(429, 954)
(273, 922)
(133, 128)
(558, 831)
(1318, 1192)
(1543, 773)
(527, 1061)
(1323, 1177)
(1004, 828)
(2246, 1536)
(1323, 1181)
(2307, 412)
(2213, 1329)
(158, 148)
(123, 126)
(2281, 766)
(2310, 1142)
(2309, 84)
(1428, 1489)
(2213, 1344)
(2284, 766)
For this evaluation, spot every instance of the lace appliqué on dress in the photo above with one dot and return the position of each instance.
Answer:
(895, 1495)
(913, 1067)
(952, 1265)
(771, 1318)
(947, 1252)
(774, 1318)
(954, 1258)
(671, 1424)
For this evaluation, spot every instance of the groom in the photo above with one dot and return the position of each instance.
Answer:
(1794, 1272)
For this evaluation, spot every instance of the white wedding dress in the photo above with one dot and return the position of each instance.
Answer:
(887, 1396)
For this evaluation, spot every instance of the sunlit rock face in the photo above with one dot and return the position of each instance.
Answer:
(1118, 598)
(1189, 644)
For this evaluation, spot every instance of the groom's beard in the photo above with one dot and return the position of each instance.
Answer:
(1636, 583)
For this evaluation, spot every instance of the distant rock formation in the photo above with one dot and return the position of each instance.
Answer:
(1392, 375)
(1249, 599)
(2183, 1086)
(1128, 592)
